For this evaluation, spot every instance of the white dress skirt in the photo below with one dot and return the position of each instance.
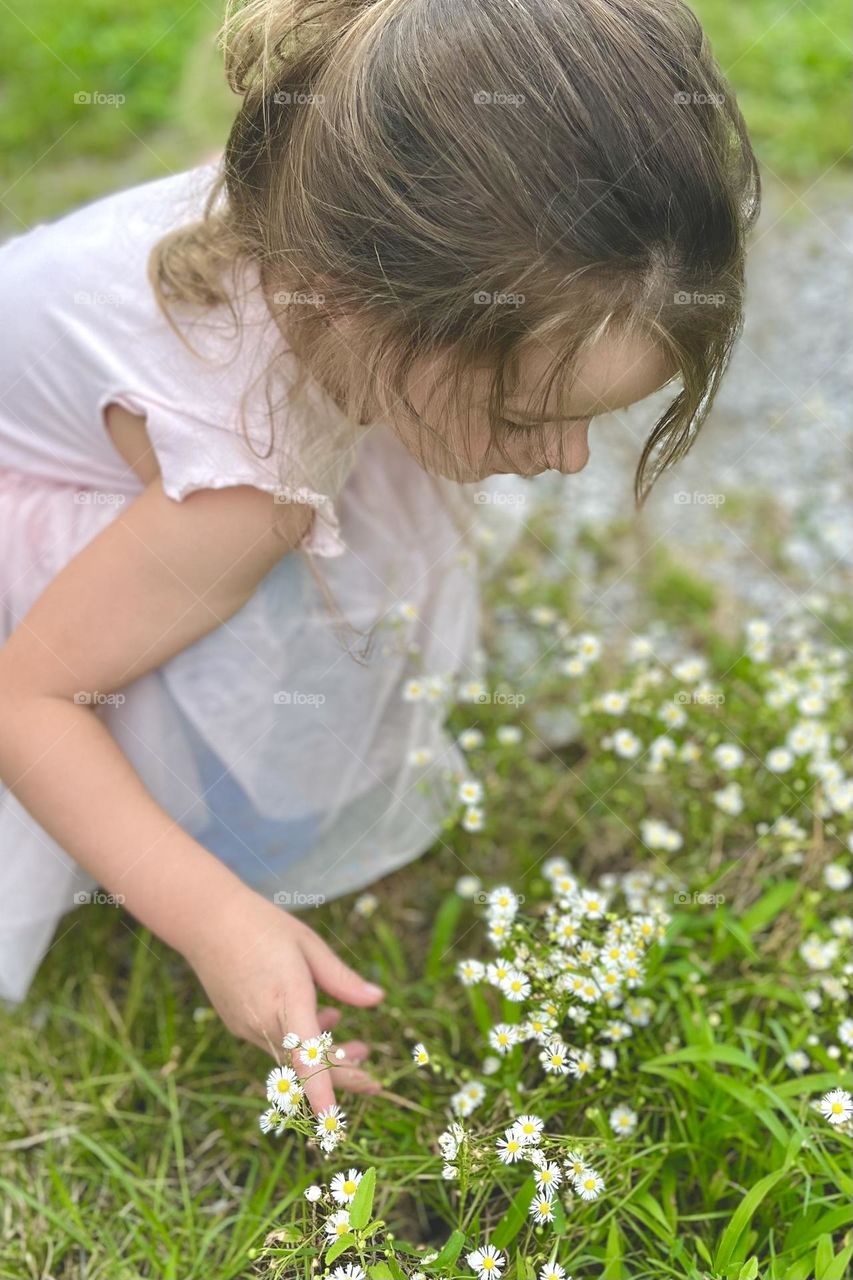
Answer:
(294, 755)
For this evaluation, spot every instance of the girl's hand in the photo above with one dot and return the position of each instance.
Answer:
(260, 967)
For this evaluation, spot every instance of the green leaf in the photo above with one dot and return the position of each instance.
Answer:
(380, 1271)
(823, 1256)
(480, 1010)
(838, 1268)
(442, 934)
(725, 1053)
(742, 1216)
(613, 1254)
(339, 1246)
(362, 1201)
(749, 1270)
(515, 1216)
(450, 1251)
(767, 908)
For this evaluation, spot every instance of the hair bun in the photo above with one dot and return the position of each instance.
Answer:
(264, 42)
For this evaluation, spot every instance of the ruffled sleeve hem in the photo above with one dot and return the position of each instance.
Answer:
(194, 455)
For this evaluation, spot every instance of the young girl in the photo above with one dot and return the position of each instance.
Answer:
(247, 413)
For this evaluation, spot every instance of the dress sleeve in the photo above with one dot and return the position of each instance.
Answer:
(196, 455)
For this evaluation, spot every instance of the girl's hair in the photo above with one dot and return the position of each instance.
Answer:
(479, 180)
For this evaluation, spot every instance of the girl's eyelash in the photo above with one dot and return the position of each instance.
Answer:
(515, 426)
(531, 426)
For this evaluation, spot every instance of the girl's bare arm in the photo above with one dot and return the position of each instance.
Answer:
(160, 576)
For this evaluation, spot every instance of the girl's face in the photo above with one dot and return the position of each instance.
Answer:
(615, 373)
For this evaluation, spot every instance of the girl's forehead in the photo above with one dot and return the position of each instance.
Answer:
(615, 372)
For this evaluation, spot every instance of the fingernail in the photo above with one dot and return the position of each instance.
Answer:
(372, 989)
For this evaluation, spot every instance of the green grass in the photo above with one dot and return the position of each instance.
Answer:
(128, 1125)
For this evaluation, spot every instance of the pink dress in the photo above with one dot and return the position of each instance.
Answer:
(308, 771)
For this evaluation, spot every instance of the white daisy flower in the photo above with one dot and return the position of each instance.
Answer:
(272, 1121)
(470, 972)
(589, 1185)
(508, 734)
(548, 1177)
(798, 1061)
(529, 1128)
(470, 791)
(473, 819)
(510, 1147)
(331, 1123)
(580, 1064)
(283, 1088)
(344, 1185)
(626, 744)
(290, 1041)
(487, 1262)
(623, 1120)
(836, 876)
(555, 1058)
(312, 1053)
(728, 755)
(553, 1271)
(313, 1193)
(836, 1106)
(337, 1224)
(470, 739)
(502, 901)
(515, 986)
(420, 1055)
(779, 760)
(542, 1208)
(845, 1032)
(575, 1164)
(503, 1036)
(614, 702)
(348, 1271)
(365, 905)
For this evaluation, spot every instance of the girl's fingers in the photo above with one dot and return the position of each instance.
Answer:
(300, 1016)
(336, 978)
(346, 1073)
(328, 1018)
(354, 1081)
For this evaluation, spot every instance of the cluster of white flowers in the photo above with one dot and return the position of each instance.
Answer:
(286, 1094)
(574, 969)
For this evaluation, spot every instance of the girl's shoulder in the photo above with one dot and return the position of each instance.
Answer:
(79, 291)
